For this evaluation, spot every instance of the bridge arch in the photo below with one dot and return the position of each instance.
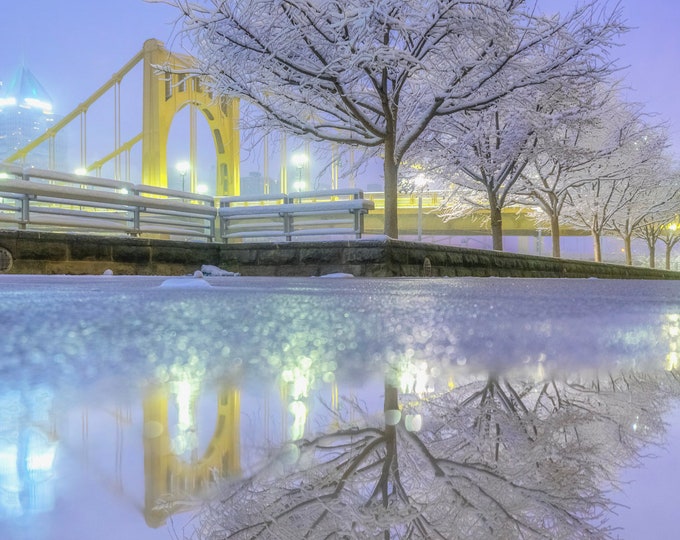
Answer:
(169, 477)
(168, 88)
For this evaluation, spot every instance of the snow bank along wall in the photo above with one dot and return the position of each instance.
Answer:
(29, 252)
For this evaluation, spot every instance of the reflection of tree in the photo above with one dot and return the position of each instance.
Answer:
(494, 459)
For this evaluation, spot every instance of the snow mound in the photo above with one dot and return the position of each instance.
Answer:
(210, 270)
(337, 275)
(187, 282)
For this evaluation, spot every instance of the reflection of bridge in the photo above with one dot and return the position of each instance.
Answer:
(167, 471)
(168, 88)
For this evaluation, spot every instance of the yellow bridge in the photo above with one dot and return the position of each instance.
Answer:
(168, 87)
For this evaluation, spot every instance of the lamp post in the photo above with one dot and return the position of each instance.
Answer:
(183, 168)
(299, 160)
(421, 183)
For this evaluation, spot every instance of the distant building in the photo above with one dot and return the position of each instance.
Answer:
(254, 184)
(26, 113)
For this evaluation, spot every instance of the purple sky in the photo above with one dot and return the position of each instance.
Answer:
(74, 46)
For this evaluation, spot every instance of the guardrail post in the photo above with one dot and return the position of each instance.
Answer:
(358, 223)
(212, 228)
(25, 211)
(136, 219)
(25, 203)
(288, 224)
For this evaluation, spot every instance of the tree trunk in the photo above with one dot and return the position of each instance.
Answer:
(390, 405)
(669, 248)
(652, 254)
(597, 247)
(627, 250)
(391, 172)
(555, 232)
(496, 222)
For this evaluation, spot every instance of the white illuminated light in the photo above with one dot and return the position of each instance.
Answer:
(81, 171)
(38, 104)
(420, 181)
(42, 460)
(8, 102)
(183, 167)
(201, 189)
(299, 160)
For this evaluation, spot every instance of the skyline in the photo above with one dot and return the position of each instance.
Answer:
(80, 44)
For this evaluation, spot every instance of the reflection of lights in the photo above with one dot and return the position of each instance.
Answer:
(10, 482)
(298, 381)
(27, 453)
(392, 417)
(186, 439)
(413, 422)
(672, 329)
(299, 411)
(41, 459)
(414, 377)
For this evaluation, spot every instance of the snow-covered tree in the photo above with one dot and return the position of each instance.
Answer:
(620, 192)
(670, 236)
(518, 149)
(375, 73)
(657, 223)
(564, 152)
(488, 150)
(649, 215)
(644, 204)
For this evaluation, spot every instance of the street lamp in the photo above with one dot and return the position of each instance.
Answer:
(421, 184)
(299, 160)
(183, 168)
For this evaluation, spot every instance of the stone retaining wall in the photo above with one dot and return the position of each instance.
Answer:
(24, 252)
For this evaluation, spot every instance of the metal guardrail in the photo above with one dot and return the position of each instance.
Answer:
(41, 199)
(294, 215)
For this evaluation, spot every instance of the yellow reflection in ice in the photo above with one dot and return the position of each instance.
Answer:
(172, 468)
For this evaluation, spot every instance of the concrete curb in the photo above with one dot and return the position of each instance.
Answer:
(30, 252)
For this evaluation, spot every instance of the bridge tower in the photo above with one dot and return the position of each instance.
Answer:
(170, 476)
(168, 88)
(169, 85)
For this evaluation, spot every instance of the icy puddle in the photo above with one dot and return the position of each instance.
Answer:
(233, 407)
